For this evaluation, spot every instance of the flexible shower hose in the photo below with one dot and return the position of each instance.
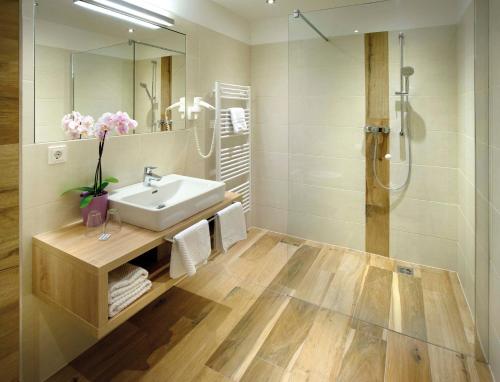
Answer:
(408, 175)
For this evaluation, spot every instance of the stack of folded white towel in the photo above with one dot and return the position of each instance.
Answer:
(125, 285)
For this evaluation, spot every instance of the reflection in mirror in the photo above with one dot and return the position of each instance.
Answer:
(93, 63)
(103, 80)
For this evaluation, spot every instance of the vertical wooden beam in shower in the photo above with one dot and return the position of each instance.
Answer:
(166, 89)
(377, 201)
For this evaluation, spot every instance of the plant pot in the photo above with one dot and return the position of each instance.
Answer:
(98, 203)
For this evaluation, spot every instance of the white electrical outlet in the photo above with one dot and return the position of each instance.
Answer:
(57, 154)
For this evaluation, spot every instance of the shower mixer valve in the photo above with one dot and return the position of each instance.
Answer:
(377, 129)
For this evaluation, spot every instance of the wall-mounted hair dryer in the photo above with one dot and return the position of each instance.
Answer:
(181, 104)
(198, 104)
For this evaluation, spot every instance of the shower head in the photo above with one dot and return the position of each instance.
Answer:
(143, 85)
(407, 71)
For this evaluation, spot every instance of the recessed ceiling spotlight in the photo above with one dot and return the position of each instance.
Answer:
(356, 31)
(131, 30)
(270, 1)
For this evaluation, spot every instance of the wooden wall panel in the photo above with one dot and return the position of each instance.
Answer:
(166, 89)
(9, 190)
(377, 113)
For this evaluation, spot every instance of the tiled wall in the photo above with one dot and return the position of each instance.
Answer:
(269, 66)
(327, 166)
(466, 155)
(424, 216)
(318, 191)
(324, 199)
(51, 338)
(494, 332)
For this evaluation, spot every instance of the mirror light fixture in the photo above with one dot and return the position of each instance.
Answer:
(129, 12)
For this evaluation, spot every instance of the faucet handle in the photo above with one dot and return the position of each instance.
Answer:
(148, 170)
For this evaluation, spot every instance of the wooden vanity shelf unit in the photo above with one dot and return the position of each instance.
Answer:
(71, 270)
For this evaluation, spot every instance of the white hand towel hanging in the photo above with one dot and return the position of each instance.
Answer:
(191, 247)
(231, 225)
(238, 119)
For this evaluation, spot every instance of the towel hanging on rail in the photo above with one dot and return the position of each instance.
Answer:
(238, 119)
(231, 226)
(191, 247)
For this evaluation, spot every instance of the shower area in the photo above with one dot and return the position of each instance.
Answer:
(381, 150)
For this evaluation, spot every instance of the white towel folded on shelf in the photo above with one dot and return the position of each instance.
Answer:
(231, 225)
(126, 299)
(121, 279)
(238, 119)
(117, 294)
(191, 247)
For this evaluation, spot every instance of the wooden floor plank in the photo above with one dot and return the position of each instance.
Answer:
(374, 304)
(364, 359)
(269, 310)
(288, 333)
(293, 272)
(243, 342)
(463, 308)
(447, 365)
(315, 284)
(186, 360)
(208, 375)
(262, 371)
(323, 350)
(266, 269)
(344, 290)
(262, 246)
(443, 321)
(407, 310)
(407, 359)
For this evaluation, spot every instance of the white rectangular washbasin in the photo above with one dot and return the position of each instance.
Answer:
(169, 201)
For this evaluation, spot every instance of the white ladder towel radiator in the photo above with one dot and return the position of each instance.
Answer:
(233, 151)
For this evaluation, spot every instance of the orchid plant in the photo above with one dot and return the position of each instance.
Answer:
(78, 126)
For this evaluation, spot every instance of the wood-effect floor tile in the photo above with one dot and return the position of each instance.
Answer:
(407, 359)
(407, 307)
(345, 287)
(374, 303)
(275, 308)
(236, 352)
(442, 314)
(288, 333)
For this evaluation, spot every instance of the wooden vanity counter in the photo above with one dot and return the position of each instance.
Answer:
(71, 270)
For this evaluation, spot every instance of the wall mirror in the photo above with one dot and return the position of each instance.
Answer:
(93, 63)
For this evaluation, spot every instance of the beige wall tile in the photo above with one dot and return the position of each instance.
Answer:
(424, 217)
(50, 337)
(423, 249)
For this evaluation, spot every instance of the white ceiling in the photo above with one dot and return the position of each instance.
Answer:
(258, 9)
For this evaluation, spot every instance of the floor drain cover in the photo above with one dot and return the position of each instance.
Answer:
(405, 270)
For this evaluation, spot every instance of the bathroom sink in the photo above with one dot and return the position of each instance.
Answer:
(167, 202)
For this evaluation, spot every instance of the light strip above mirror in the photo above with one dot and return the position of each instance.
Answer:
(128, 12)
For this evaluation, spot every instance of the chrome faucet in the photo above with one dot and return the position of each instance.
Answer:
(149, 176)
